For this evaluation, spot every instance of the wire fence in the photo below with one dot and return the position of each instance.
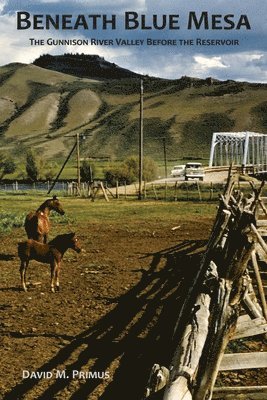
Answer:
(169, 191)
(17, 186)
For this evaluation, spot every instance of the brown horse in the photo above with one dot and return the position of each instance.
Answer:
(37, 223)
(50, 253)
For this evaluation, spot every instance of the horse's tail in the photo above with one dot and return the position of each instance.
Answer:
(22, 249)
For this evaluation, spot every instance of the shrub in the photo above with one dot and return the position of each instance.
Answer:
(87, 171)
(51, 168)
(197, 134)
(7, 166)
(32, 166)
(128, 171)
(10, 220)
(261, 113)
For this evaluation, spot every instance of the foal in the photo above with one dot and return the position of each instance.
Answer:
(37, 224)
(50, 253)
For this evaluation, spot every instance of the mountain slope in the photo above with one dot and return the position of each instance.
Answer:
(39, 106)
(84, 66)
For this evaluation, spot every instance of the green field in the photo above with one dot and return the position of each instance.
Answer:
(13, 209)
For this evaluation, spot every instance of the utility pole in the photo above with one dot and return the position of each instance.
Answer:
(165, 157)
(141, 140)
(78, 161)
(77, 147)
(63, 166)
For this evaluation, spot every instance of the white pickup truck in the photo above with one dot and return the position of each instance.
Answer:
(194, 170)
(178, 170)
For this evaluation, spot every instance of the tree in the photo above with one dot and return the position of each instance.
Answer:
(87, 171)
(50, 170)
(7, 166)
(32, 166)
(150, 169)
(128, 171)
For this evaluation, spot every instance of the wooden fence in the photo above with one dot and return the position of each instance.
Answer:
(221, 305)
(165, 191)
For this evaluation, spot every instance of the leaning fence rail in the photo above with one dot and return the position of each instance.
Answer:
(210, 315)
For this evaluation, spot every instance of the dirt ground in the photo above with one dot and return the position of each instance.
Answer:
(113, 317)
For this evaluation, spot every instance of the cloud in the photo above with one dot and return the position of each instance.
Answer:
(72, 6)
(259, 60)
(207, 63)
(248, 61)
(237, 66)
(13, 49)
(2, 5)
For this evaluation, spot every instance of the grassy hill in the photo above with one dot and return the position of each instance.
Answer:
(84, 65)
(39, 106)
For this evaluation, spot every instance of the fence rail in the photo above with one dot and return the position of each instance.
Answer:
(169, 191)
(210, 314)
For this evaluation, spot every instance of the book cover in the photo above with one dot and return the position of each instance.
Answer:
(107, 114)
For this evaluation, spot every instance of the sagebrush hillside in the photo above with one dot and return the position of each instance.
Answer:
(40, 106)
(84, 66)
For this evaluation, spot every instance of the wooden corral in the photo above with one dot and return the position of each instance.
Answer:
(226, 301)
(89, 190)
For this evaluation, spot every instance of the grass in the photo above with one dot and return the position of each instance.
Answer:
(116, 211)
(82, 211)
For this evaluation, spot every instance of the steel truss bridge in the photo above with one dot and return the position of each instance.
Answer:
(244, 149)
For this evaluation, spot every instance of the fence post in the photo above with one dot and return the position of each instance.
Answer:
(166, 190)
(144, 189)
(154, 190)
(187, 193)
(211, 190)
(199, 191)
(89, 189)
(117, 188)
(175, 191)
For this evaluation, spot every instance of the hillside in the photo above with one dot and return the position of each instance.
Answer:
(84, 66)
(39, 106)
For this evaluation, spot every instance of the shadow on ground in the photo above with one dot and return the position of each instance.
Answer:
(7, 257)
(137, 332)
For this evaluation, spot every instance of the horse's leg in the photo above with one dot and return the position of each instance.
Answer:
(57, 276)
(22, 278)
(45, 238)
(23, 268)
(53, 275)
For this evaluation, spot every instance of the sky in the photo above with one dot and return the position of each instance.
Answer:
(244, 58)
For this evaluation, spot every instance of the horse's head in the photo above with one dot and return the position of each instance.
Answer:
(55, 205)
(74, 242)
